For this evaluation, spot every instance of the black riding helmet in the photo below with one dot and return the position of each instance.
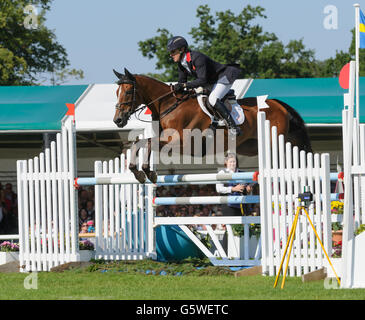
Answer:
(176, 43)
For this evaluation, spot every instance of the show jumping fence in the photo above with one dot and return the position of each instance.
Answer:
(125, 210)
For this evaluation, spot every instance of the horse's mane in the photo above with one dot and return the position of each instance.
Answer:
(152, 79)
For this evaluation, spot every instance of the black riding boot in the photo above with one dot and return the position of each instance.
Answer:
(232, 127)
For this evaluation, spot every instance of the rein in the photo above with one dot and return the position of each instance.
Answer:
(170, 109)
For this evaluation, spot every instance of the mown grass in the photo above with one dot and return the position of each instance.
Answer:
(194, 280)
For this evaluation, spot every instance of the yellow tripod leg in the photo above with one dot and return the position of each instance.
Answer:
(319, 240)
(291, 245)
(286, 248)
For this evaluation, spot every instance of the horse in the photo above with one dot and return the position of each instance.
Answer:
(181, 111)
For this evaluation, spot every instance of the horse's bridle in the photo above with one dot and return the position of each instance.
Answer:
(132, 103)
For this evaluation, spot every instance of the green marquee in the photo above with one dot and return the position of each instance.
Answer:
(39, 108)
(318, 100)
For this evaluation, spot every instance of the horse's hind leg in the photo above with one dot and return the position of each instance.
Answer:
(139, 175)
(151, 175)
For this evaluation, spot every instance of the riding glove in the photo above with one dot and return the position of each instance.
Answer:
(179, 87)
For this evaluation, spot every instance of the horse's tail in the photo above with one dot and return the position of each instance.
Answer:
(298, 134)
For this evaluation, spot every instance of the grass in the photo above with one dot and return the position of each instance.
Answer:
(183, 281)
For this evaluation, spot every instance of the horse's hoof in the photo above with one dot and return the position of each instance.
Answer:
(140, 176)
(152, 176)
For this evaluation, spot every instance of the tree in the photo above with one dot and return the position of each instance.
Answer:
(27, 48)
(230, 38)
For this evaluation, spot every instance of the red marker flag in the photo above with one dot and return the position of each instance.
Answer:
(148, 111)
(71, 110)
(344, 77)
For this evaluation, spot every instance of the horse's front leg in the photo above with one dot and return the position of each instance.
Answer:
(135, 148)
(151, 175)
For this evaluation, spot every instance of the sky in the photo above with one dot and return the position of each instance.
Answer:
(101, 35)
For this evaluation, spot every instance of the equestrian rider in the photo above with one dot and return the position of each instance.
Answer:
(206, 72)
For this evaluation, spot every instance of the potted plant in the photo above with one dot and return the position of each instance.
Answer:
(86, 250)
(336, 232)
(336, 208)
(9, 252)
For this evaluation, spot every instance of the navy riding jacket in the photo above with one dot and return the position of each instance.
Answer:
(205, 70)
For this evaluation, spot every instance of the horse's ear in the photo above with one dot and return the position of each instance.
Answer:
(129, 75)
(119, 75)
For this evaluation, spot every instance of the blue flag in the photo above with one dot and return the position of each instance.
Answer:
(362, 30)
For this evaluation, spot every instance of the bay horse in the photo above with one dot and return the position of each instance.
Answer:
(179, 112)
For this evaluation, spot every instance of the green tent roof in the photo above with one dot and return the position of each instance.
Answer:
(39, 108)
(318, 100)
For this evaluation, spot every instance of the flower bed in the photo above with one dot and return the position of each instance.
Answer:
(8, 252)
(86, 250)
(7, 246)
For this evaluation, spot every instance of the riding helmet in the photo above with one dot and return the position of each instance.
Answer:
(176, 42)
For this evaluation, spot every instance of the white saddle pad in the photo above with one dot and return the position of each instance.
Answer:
(236, 113)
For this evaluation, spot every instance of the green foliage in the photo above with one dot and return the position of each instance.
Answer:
(230, 38)
(26, 53)
(360, 229)
(254, 230)
(237, 38)
(336, 226)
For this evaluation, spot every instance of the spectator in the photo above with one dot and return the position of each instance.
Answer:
(230, 166)
(83, 198)
(10, 206)
(84, 228)
(90, 209)
(83, 217)
(2, 195)
(205, 211)
(91, 193)
(2, 214)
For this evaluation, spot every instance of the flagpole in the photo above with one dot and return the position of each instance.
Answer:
(357, 46)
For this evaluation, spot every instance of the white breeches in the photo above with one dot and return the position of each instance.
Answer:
(219, 90)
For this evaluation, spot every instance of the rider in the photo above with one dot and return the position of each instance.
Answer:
(206, 72)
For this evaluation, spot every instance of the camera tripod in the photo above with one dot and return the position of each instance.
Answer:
(290, 243)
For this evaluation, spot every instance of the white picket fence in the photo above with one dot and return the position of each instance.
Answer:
(47, 210)
(123, 215)
(284, 171)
